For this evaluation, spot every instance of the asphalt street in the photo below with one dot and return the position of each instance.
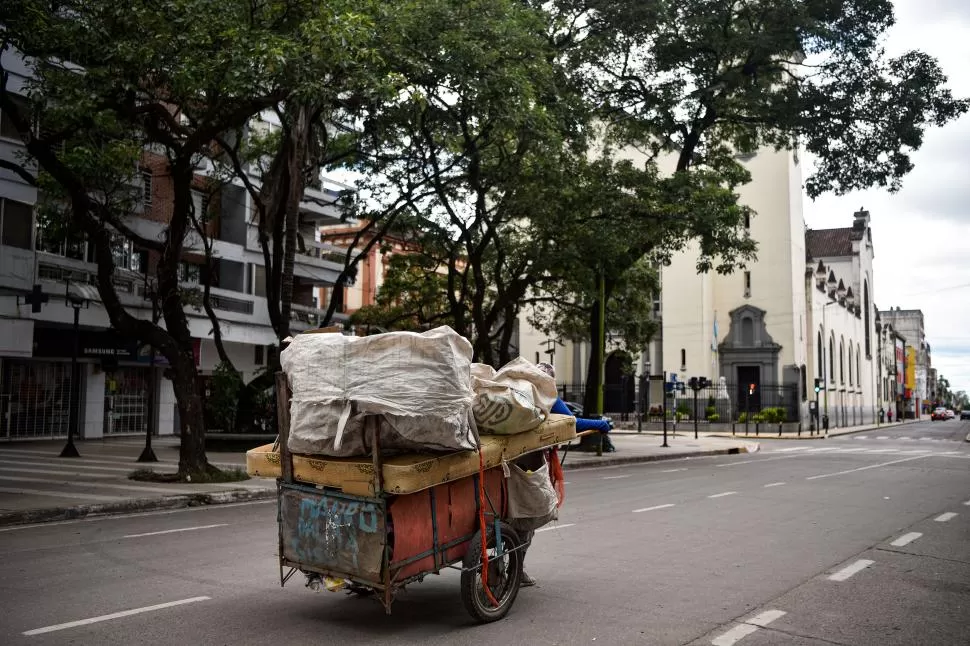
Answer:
(857, 539)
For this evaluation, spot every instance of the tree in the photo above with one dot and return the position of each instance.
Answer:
(114, 83)
(485, 124)
(694, 83)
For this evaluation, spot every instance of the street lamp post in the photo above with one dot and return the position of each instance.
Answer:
(148, 454)
(77, 302)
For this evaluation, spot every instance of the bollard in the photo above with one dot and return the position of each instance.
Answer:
(779, 429)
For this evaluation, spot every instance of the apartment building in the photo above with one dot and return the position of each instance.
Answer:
(121, 383)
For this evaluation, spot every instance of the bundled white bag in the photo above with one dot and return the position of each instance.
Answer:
(532, 498)
(418, 384)
(515, 399)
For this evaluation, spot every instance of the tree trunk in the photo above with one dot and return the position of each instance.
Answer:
(299, 136)
(192, 459)
(595, 362)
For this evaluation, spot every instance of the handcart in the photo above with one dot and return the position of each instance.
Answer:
(376, 543)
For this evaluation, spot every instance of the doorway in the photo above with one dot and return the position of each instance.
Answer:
(748, 375)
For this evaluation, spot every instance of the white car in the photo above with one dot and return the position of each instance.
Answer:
(950, 414)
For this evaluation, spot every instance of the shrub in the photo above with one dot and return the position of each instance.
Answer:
(743, 417)
(710, 410)
(757, 418)
(683, 408)
(713, 417)
(775, 415)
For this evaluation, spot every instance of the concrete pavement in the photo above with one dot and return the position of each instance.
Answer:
(698, 551)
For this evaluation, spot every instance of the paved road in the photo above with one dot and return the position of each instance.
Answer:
(793, 545)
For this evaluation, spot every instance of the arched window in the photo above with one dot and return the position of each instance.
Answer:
(842, 360)
(858, 366)
(820, 368)
(832, 358)
(865, 304)
(850, 363)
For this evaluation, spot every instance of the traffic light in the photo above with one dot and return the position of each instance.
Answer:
(818, 385)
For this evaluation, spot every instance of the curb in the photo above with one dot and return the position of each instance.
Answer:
(636, 459)
(52, 514)
(835, 433)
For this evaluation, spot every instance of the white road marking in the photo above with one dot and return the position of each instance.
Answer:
(114, 615)
(942, 518)
(906, 539)
(616, 477)
(95, 484)
(823, 449)
(721, 495)
(139, 514)
(927, 438)
(904, 438)
(747, 627)
(734, 635)
(57, 494)
(883, 451)
(849, 570)
(554, 527)
(967, 503)
(861, 437)
(883, 437)
(916, 451)
(732, 464)
(637, 511)
(774, 484)
(766, 618)
(871, 466)
(673, 470)
(797, 448)
(175, 531)
(856, 450)
(949, 453)
(66, 465)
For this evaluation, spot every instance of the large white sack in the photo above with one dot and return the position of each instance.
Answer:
(420, 385)
(515, 399)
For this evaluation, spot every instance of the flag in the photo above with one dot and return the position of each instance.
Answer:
(714, 340)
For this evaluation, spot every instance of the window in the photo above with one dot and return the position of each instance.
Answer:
(747, 331)
(258, 355)
(850, 363)
(16, 224)
(126, 256)
(832, 359)
(820, 368)
(841, 362)
(7, 128)
(146, 187)
(683, 359)
(747, 284)
(865, 304)
(858, 366)
(804, 380)
(188, 273)
(747, 221)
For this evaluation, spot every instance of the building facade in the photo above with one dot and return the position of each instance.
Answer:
(121, 383)
(909, 324)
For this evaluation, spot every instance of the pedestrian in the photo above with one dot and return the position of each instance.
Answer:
(890, 416)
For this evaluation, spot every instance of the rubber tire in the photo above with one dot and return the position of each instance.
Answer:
(480, 609)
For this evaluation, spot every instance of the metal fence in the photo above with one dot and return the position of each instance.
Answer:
(721, 403)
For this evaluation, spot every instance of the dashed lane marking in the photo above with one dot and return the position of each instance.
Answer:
(774, 484)
(722, 494)
(866, 468)
(942, 518)
(114, 615)
(555, 527)
(654, 508)
(850, 570)
(747, 627)
(616, 477)
(905, 539)
(175, 531)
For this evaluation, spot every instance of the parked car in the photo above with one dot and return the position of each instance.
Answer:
(938, 413)
(965, 413)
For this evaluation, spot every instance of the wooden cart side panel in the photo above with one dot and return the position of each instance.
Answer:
(456, 515)
(333, 532)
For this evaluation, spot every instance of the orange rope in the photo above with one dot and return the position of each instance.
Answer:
(482, 527)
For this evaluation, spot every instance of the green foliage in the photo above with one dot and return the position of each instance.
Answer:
(713, 417)
(412, 297)
(774, 415)
(223, 398)
(684, 408)
(710, 410)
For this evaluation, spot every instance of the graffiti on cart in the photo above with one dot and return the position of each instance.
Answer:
(329, 530)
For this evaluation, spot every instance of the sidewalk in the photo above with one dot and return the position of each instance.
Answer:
(36, 485)
(765, 432)
(632, 448)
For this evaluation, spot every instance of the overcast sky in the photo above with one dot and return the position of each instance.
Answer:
(921, 235)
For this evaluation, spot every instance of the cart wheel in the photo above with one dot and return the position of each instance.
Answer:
(504, 575)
